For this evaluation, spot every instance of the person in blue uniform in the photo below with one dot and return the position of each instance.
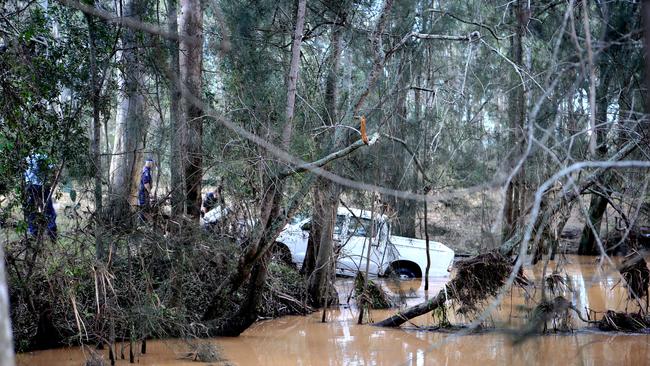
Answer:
(39, 209)
(144, 191)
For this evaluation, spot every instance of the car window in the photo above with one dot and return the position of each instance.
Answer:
(359, 227)
(340, 220)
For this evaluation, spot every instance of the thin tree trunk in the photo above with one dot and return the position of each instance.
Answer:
(191, 64)
(326, 192)
(131, 122)
(515, 194)
(645, 16)
(598, 204)
(95, 149)
(6, 338)
(176, 160)
(253, 262)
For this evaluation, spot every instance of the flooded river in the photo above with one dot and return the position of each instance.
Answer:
(297, 340)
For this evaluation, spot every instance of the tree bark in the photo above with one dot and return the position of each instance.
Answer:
(515, 192)
(6, 339)
(191, 65)
(131, 122)
(176, 160)
(414, 311)
(96, 129)
(326, 193)
(645, 18)
(616, 23)
(404, 178)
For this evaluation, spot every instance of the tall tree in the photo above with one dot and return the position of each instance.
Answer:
(191, 130)
(515, 192)
(131, 121)
(616, 23)
(6, 340)
(176, 163)
(326, 193)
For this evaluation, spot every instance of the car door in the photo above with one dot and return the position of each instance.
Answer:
(352, 257)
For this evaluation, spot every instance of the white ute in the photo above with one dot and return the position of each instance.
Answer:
(403, 256)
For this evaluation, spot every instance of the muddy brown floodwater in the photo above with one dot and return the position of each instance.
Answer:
(297, 340)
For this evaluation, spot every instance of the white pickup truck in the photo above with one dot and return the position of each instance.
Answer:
(405, 257)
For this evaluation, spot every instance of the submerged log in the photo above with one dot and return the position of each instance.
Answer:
(414, 311)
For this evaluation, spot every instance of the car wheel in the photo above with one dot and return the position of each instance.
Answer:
(404, 273)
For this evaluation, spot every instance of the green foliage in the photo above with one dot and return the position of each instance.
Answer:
(42, 92)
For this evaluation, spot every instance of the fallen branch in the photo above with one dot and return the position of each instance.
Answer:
(329, 158)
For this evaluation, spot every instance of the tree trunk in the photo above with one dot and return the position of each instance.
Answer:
(131, 122)
(326, 193)
(645, 16)
(6, 341)
(517, 113)
(405, 178)
(414, 311)
(616, 25)
(191, 64)
(176, 160)
(328, 196)
(96, 129)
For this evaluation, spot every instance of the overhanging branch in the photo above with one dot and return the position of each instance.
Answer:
(125, 21)
(331, 157)
(473, 36)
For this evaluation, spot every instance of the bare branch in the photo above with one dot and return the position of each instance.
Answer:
(126, 21)
(473, 36)
(331, 157)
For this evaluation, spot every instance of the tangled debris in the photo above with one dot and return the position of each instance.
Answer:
(284, 291)
(205, 352)
(94, 359)
(374, 296)
(480, 278)
(634, 270)
(624, 322)
(477, 279)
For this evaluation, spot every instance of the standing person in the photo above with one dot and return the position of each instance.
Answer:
(144, 191)
(39, 199)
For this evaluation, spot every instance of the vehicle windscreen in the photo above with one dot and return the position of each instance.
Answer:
(340, 220)
(360, 227)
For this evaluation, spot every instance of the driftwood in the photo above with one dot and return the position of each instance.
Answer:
(414, 311)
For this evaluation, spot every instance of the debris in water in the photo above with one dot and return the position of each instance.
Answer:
(626, 322)
(480, 278)
(94, 359)
(205, 352)
(634, 270)
(374, 296)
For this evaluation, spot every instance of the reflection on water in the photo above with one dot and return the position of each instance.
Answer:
(299, 340)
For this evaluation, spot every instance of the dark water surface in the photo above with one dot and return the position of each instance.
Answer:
(296, 340)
